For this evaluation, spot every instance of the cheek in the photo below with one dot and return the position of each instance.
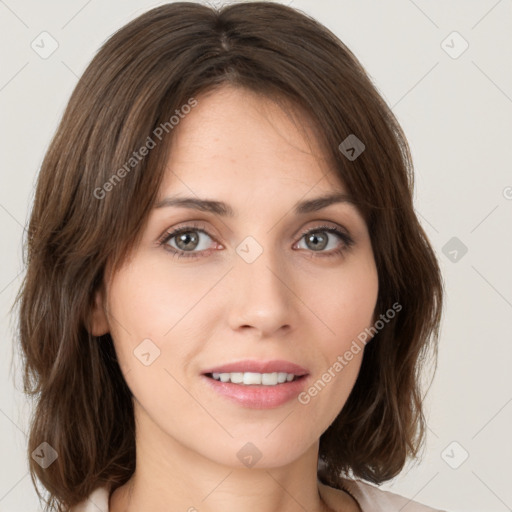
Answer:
(147, 301)
(145, 311)
(152, 310)
(346, 303)
(346, 309)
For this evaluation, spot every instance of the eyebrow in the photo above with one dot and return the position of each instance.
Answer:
(224, 209)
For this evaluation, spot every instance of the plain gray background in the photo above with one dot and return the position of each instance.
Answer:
(455, 106)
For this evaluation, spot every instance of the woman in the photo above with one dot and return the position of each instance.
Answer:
(228, 295)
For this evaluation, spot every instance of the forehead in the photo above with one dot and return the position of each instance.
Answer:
(235, 140)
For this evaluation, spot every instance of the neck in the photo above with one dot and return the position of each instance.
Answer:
(170, 475)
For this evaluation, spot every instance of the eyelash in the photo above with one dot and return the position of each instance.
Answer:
(347, 241)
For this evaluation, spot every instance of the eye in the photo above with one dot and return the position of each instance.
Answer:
(186, 239)
(319, 238)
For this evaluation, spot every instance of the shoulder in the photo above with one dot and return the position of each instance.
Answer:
(97, 501)
(372, 498)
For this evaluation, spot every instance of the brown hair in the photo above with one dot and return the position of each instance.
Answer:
(146, 71)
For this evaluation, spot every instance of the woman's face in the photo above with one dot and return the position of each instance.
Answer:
(250, 286)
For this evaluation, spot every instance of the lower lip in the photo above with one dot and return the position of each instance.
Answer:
(258, 396)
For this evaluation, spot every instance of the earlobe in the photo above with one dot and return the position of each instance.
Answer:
(98, 319)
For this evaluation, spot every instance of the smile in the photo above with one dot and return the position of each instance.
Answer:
(254, 378)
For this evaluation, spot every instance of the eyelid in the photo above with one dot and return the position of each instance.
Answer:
(329, 226)
(184, 226)
(313, 225)
(204, 226)
(333, 228)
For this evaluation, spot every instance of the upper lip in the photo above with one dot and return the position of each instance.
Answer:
(259, 367)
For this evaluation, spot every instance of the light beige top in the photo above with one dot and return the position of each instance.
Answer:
(369, 497)
(372, 499)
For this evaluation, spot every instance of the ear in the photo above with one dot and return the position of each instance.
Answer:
(98, 325)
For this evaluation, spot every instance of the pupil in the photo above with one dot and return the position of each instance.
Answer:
(321, 238)
(185, 238)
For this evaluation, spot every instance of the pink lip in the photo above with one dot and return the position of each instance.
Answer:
(259, 367)
(258, 396)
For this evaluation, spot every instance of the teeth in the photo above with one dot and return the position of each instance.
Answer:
(236, 378)
(253, 378)
(248, 378)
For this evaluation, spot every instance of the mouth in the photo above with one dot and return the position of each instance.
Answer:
(257, 384)
(255, 378)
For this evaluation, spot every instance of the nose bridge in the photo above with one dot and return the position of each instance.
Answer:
(262, 297)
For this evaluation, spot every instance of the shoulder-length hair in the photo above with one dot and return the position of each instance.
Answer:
(88, 212)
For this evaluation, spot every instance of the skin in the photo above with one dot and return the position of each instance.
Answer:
(237, 147)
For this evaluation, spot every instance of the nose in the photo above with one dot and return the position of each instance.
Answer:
(262, 296)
